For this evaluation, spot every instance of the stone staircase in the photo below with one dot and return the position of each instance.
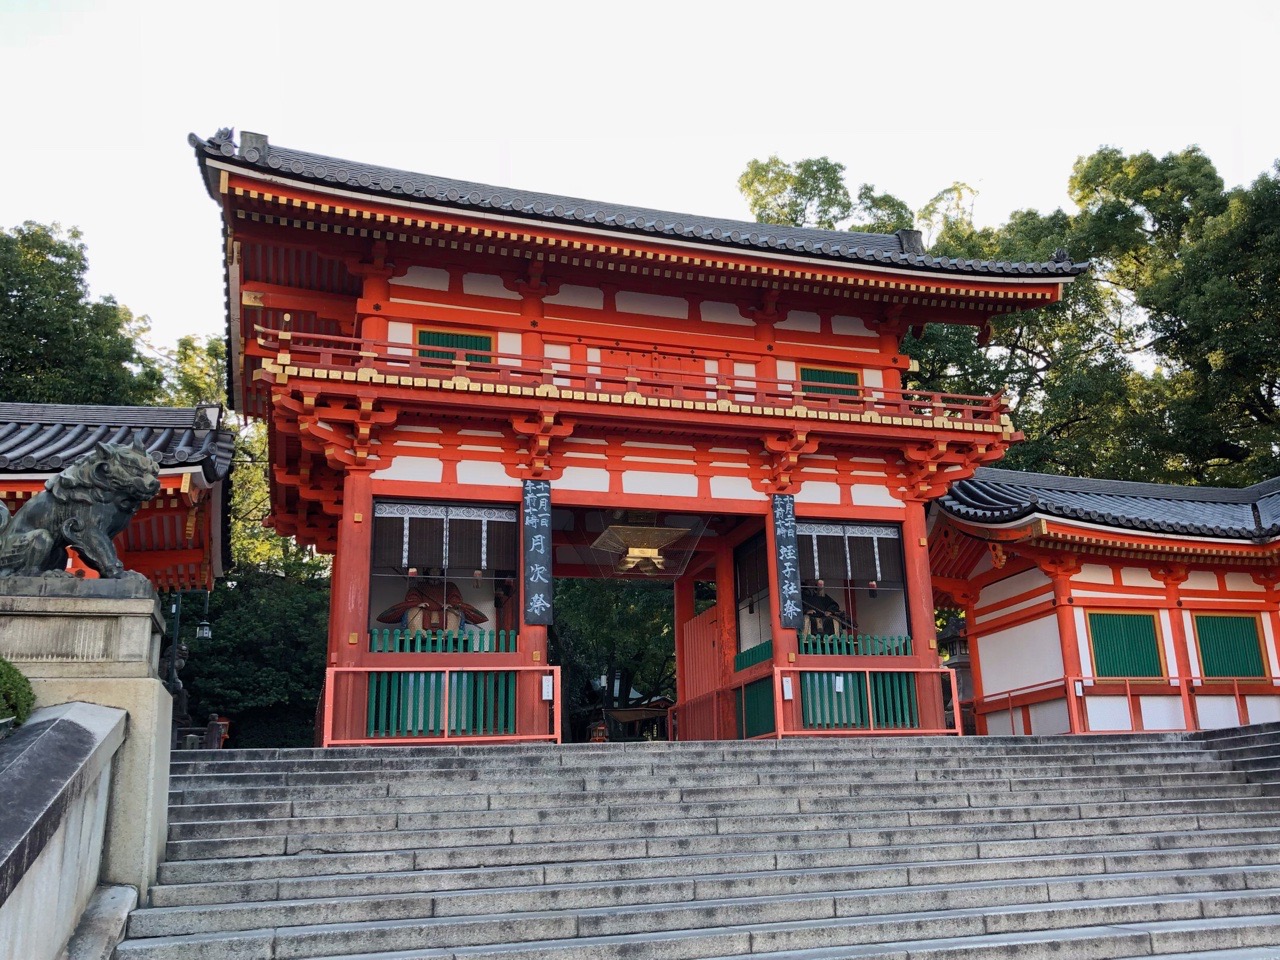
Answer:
(912, 849)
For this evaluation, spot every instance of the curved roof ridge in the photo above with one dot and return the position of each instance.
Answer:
(901, 249)
(995, 496)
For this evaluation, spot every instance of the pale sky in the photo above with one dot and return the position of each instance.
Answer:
(653, 103)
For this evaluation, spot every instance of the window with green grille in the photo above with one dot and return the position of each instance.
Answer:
(831, 382)
(1125, 645)
(455, 342)
(1229, 646)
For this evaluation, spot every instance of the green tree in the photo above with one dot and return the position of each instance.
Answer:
(264, 666)
(809, 193)
(57, 345)
(621, 629)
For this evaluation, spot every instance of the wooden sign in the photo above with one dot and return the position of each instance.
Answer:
(790, 610)
(536, 524)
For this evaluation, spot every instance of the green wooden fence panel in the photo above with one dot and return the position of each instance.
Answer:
(442, 641)
(753, 655)
(1125, 645)
(1229, 646)
(894, 701)
(409, 703)
(849, 645)
(755, 708)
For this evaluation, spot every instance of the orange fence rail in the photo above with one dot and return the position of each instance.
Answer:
(431, 705)
(1077, 691)
(331, 352)
(823, 702)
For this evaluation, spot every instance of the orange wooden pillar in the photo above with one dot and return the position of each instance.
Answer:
(1060, 572)
(683, 613)
(726, 603)
(1173, 577)
(920, 613)
(349, 595)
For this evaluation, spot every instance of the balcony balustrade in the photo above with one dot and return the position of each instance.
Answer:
(337, 357)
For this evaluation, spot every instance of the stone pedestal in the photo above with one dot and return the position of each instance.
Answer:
(98, 641)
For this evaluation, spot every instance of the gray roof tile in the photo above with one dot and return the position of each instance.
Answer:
(1003, 496)
(895, 249)
(46, 437)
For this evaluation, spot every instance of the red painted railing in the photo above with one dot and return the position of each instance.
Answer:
(426, 705)
(703, 717)
(337, 353)
(1077, 691)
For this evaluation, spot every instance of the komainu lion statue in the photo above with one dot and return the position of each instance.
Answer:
(85, 507)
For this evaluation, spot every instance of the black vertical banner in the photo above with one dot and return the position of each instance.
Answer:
(537, 552)
(790, 611)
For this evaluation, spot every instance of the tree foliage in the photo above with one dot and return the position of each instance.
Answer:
(56, 344)
(264, 666)
(1159, 364)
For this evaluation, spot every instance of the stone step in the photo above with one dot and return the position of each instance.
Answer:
(755, 926)
(263, 905)
(1016, 791)
(745, 775)
(684, 761)
(462, 813)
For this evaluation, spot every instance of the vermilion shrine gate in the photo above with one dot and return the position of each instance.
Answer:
(473, 389)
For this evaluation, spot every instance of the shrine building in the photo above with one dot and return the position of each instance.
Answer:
(179, 540)
(1098, 606)
(472, 390)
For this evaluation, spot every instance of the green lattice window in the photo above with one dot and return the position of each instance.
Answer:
(1125, 645)
(1229, 646)
(454, 342)
(843, 383)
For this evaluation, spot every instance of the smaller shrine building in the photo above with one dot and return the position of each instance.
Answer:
(1098, 606)
(180, 540)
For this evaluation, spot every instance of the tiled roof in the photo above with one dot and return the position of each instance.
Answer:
(1004, 496)
(40, 437)
(902, 249)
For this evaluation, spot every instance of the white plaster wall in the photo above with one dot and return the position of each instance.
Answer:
(1242, 581)
(425, 278)
(1263, 709)
(512, 343)
(1162, 713)
(873, 378)
(487, 285)
(801, 320)
(872, 495)
(1093, 573)
(571, 295)
(1201, 580)
(786, 369)
(652, 305)
(660, 484)
(735, 488)
(849, 327)
(1011, 587)
(1020, 656)
(485, 472)
(1107, 713)
(818, 491)
(1166, 642)
(1049, 718)
(591, 479)
(423, 469)
(1138, 577)
(1082, 643)
(715, 311)
(1000, 724)
(1217, 712)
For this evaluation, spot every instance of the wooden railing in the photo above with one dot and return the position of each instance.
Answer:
(821, 702)
(442, 641)
(611, 380)
(443, 704)
(753, 655)
(1077, 691)
(854, 645)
